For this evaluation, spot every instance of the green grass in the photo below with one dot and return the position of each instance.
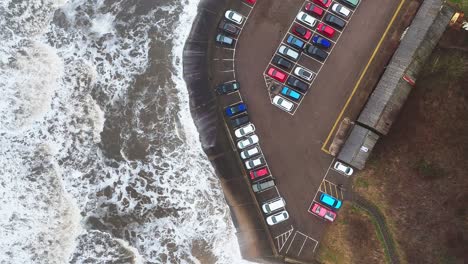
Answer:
(429, 170)
(361, 183)
(326, 254)
(463, 4)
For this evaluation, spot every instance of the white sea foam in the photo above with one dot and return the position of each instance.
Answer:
(61, 81)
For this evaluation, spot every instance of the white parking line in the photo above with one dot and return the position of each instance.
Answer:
(283, 238)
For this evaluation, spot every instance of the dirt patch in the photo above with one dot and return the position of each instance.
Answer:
(417, 175)
(351, 239)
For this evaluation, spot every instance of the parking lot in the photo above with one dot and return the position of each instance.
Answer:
(291, 145)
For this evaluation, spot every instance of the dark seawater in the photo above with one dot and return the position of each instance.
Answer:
(100, 161)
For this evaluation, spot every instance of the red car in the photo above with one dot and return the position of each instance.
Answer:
(323, 212)
(323, 3)
(277, 74)
(302, 32)
(252, 2)
(259, 173)
(313, 9)
(325, 30)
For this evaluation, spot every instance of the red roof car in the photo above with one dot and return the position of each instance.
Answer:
(322, 211)
(259, 173)
(323, 3)
(302, 32)
(277, 74)
(326, 30)
(313, 9)
(252, 2)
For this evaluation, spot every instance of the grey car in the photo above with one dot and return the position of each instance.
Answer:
(223, 39)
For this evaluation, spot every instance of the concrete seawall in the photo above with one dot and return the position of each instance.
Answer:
(254, 241)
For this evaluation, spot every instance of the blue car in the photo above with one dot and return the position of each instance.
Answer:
(295, 42)
(286, 91)
(321, 42)
(236, 109)
(330, 201)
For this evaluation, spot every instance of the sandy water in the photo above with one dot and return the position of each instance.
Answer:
(99, 158)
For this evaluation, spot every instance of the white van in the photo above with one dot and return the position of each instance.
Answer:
(273, 205)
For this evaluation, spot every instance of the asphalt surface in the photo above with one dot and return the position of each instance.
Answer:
(292, 144)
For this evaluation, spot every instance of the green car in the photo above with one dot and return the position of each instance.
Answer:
(351, 3)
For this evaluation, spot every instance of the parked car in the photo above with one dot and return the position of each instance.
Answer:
(302, 32)
(247, 142)
(281, 62)
(223, 39)
(226, 88)
(296, 83)
(321, 42)
(233, 16)
(325, 30)
(343, 169)
(330, 201)
(304, 73)
(228, 28)
(245, 130)
(239, 121)
(277, 218)
(277, 74)
(335, 21)
(252, 2)
(259, 173)
(283, 103)
(323, 212)
(316, 52)
(288, 92)
(236, 109)
(313, 9)
(323, 3)
(273, 205)
(288, 52)
(341, 10)
(351, 3)
(295, 42)
(306, 19)
(255, 162)
(250, 152)
(263, 185)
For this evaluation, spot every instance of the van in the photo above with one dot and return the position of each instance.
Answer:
(263, 185)
(273, 205)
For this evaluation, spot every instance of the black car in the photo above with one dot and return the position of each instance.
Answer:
(239, 121)
(226, 88)
(229, 28)
(300, 85)
(282, 62)
(334, 21)
(316, 52)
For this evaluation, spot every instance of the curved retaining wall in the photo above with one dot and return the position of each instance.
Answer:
(253, 240)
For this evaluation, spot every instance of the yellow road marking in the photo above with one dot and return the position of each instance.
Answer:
(362, 76)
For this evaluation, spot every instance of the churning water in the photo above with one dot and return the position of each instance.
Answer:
(99, 157)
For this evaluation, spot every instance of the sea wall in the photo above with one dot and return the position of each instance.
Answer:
(254, 241)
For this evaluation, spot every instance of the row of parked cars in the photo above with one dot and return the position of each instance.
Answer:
(229, 28)
(302, 39)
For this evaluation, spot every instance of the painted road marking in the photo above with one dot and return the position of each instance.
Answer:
(306, 237)
(361, 77)
(283, 238)
(331, 189)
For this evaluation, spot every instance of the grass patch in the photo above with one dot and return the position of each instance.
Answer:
(361, 183)
(462, 4)
(429, 170)
(448, 66)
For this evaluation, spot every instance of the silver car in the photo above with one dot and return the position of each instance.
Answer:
(255, 162)
(306, 19)
(341, 10)
(277, 218)
(245, 130)
(283, 103)
(250, 152)
(288, 52)
(304, 74)
(247, 142)
(343, 169)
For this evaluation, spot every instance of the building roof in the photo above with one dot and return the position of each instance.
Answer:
(358, 147)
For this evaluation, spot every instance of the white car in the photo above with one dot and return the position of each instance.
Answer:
(245, 130)
(255, 162)
(247, 142)
(273, 205)
(277, 218)
(234, 17)
(341, 10)
(288, 52)
(248, 153)
(283, 103)
(306, 19)
(304, 74)
(343, 169)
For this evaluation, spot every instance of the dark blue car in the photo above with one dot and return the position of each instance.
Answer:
(321, 42)
(236, 109)
(295, 42)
